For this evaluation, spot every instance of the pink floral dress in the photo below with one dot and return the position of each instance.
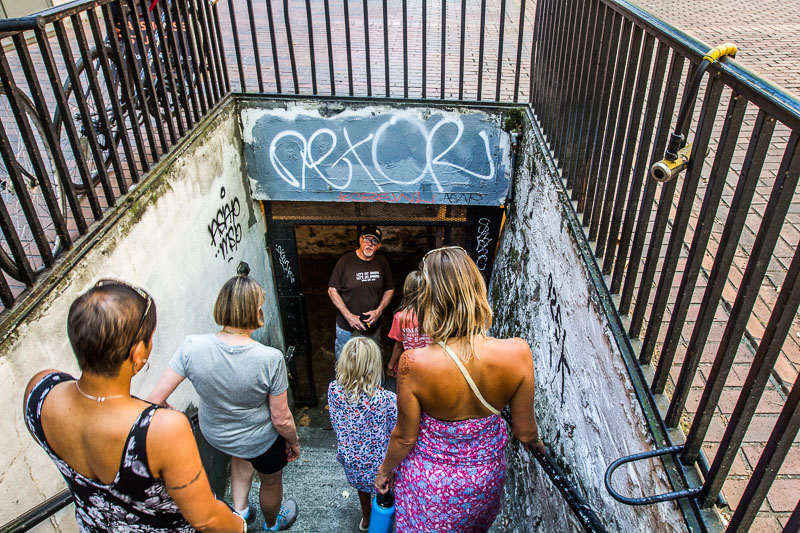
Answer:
(453, 477)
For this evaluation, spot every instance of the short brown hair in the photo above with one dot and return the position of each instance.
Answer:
(239, 302)
(102, 326)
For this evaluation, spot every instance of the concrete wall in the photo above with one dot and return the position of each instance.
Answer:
(587, 411)
(180, 235)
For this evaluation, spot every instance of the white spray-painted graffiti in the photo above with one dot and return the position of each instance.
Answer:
(225, 231)
(284, 262)
(375, 142)
(559, 336)
(483, 240)
(395, 157)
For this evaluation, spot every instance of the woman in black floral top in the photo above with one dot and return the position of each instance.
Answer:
(130, 465)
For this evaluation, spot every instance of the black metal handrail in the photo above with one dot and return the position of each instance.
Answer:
(646, 500)
(607, 117)
(38, 514)
(588, 518)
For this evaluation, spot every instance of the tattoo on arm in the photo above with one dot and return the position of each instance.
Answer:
(195, 478)
(406, 360)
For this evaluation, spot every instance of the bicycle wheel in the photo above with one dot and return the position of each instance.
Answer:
(28, 173)
(107, 138)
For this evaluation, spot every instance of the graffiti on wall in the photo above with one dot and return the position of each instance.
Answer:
(559, 337)
(225, 229)
(284, 262)
(396, 156)
(483, 241)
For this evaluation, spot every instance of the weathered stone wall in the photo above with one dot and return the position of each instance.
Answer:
(179, 235)
(587, 410)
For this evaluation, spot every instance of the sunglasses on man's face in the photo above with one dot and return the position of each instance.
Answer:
(141, 292)
(371, 241)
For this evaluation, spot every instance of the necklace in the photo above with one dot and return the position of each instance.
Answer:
(98, 399)
(235, 333)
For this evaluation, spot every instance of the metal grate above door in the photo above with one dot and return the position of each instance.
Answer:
(367, 212)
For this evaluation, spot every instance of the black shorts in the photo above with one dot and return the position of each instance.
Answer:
(273, 460)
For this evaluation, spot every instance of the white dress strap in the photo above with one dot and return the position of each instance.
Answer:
(466, 375)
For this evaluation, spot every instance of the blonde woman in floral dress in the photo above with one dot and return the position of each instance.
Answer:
(447, 452)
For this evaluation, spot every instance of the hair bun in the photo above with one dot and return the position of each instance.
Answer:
(243, 269)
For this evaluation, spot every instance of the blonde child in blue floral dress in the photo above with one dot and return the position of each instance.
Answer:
(363, 415)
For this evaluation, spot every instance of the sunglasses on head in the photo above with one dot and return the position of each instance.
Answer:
(141, 292)
(443, 248)
(422, 263)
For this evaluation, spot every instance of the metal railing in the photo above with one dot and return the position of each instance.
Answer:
(106, 90)
(75, 138)
(89, 109)
(705, 262)
(584, 514)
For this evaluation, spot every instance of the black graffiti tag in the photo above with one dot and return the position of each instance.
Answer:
(225, 231)
(482, 243)
(559, 336)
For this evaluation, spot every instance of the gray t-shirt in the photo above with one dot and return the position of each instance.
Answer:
(234, 384)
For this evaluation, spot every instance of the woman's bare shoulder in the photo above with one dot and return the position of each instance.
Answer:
(511, 346)
(417, 360)
(168, 423)
(415, 355)
(36, 379)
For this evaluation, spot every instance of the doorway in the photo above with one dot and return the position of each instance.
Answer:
(307, 238)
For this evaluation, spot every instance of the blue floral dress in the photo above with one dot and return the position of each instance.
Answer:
(362, 432)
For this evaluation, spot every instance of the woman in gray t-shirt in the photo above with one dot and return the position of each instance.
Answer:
(243, 407)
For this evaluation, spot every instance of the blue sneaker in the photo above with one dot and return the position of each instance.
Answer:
(286, 517)
(250, 517)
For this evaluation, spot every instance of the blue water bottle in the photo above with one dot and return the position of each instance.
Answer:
(382, 516)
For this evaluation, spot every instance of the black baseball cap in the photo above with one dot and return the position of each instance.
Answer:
(372, 231)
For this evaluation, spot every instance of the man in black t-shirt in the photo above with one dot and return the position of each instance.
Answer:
(361, 286)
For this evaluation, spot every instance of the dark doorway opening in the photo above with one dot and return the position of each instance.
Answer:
(307, 238)
(318, 249)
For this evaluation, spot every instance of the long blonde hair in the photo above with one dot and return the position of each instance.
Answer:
(359, 369)
(453, 300)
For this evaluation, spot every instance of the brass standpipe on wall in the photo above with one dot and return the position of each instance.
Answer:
(678, 152)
